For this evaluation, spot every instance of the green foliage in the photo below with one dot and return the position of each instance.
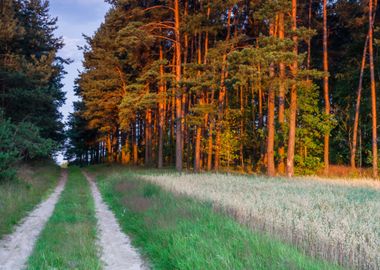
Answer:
(31, 71)
(8, 153)
(22, 141)
(230, 146)
(228, 67)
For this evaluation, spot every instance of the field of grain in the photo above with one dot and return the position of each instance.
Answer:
(331, 219)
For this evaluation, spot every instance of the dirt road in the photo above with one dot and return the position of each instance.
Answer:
(17, 247)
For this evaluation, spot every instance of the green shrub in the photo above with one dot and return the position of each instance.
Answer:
(20, 141)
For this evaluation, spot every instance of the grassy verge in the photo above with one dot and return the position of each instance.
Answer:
(18, 197)
(177, 232)
(68, 240)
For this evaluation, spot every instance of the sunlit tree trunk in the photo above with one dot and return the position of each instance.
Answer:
(197, 157)
(222, 96)
(358, 98)
(161, 112)
(308, 64)
(270, 125)
(148, 138)
(134, 144)
(242, 125)
(326, 88)
(373, 93)
(293, 99)
(281, 100)
(178, 64)
(357, 106)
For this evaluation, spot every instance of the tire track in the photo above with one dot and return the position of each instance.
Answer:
(116, 249)
(16, 247)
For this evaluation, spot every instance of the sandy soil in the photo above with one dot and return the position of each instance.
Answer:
(116, 249)
(17, 247)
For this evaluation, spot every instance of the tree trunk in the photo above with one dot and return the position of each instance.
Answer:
(357, 107)
(308, 64)
(178, 64)
(358, 99)
(148, 138)
(161, 113)
(326, 88)
(135, 144)
(222, 96)
(281, 101)
(198, 138)
(242, 125)
(373, 93)
(270, 125)
(293, 99)
(210, 146)
(109, 148)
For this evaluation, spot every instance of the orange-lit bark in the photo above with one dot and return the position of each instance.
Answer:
(161, 112)
(222, 96)
(373, 93)
(293, 99)
(270, 125)
(281, 100)
(326, 88)
(178, 69)
(359, 94)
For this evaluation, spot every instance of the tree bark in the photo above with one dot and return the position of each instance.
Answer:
(178, 64)
(293, 99)
(373, 93)
(270, 125)
(222, 96)
(161, 113)
(326, 88)
(359, 94)
(281, 100)
(197, 157)
(357, 107)
(148, 138)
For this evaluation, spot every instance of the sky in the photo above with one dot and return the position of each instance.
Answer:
(75, 17)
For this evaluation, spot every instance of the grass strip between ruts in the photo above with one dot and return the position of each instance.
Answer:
(69, 239)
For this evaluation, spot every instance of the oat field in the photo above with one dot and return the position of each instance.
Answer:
(335, 220)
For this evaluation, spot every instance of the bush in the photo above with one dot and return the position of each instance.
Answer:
(17, 142)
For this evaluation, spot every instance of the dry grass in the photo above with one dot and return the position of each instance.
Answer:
(337, 220)
(347, 172)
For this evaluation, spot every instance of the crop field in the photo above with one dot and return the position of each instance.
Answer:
(331, 219)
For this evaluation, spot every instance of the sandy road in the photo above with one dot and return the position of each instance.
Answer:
(116, 249)
(17, 247)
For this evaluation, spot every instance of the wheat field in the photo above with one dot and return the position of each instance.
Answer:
(336, 220)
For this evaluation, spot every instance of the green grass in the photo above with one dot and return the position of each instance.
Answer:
(17, 197)
(68, 240)
(176, 232)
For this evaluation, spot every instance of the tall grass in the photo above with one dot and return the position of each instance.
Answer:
(177, 232)
(69, 239)
(19, 196)
(334, 220)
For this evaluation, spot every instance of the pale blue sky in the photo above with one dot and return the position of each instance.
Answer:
(75, 17)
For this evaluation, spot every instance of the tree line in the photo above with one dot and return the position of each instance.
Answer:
(30, 84)
(281, 86)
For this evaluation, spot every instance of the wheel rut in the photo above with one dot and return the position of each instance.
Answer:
(116, 249)
(16, 247)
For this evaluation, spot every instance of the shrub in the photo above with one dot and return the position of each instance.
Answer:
(20, 141)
